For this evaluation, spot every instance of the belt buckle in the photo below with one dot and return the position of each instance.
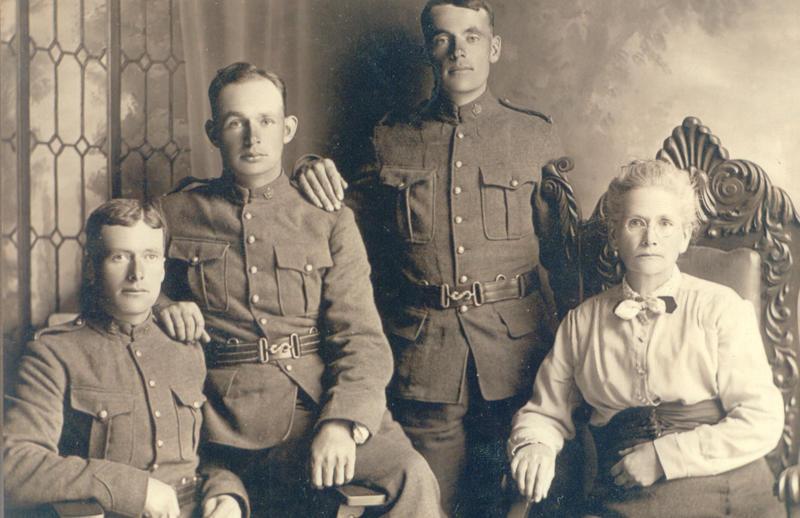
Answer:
(477, 293)
(263, 350)
(444, 296)
(294, 348)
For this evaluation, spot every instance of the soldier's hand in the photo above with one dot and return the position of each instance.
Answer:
(322, 183)
(183, 321)
(161, 500)
(639, 466)
(333, 454)
(222, 506)
(533, 467)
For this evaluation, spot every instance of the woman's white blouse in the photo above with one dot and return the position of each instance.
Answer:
(708, 347)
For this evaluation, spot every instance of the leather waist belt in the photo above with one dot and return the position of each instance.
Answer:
(234, 352)
(476, 294)
(189, 490)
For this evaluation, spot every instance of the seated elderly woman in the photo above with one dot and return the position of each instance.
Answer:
(683, 404)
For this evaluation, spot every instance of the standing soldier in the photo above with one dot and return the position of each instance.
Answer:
(298, 363)
(107, 406)
(447, 211)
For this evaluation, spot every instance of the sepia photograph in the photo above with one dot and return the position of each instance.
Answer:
(401, 258)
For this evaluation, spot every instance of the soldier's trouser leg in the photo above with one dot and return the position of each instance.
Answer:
(464, 443)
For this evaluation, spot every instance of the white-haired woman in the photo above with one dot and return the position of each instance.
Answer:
(683, 404)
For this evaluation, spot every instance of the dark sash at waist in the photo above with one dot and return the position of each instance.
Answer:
(636, 425)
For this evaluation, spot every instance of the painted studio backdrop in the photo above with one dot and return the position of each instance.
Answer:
(106, 98)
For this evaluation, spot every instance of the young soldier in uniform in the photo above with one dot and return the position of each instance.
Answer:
(449, 205)
(107, 406)
(298, 363)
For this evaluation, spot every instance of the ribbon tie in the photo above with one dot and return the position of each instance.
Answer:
(640, 306)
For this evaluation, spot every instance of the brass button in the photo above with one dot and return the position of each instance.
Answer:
(157, 414)
(160, 443)
(247, 215)
(262, 321)
(152, 383)
(460, 249)
(401, 185)
(254, 269)
(460, 135)
(251, 239)
(155, 467)
(195, 260)
(138, 353)
(463, 309)
(289, 368)
(308, 268)
(196, 404)
(456, 190)
(255, 298)
(102, 414)
(463, 279)
(79, 322)
(514, 182)
(477, 108)
(458, 219)
(459, 163)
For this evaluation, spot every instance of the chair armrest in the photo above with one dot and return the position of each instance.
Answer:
(789, 490)
(78, 509)
(360, 496)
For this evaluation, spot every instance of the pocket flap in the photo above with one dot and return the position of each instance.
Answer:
(196, 250)
(506, 177)
(521, 317)
(303, 257)
(100, 404)
(406, 323)
(188, 396)
(403, 177)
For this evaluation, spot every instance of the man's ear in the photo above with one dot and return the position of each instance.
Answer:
(289, 128)
(211, 131)
(494, 49)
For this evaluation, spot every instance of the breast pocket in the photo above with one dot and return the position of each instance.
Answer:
(189, 402)
(111, 414)
(414, 194)
(207, 269)
(506, 202)
(300, 268)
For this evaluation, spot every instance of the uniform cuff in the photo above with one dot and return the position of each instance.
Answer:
(223, 482)
(125, 488)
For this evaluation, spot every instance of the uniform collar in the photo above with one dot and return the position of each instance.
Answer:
(441, 108)
(260, 194)
(110, 325)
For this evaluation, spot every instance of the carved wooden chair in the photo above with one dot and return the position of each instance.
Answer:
(749, 238)
(351, 500)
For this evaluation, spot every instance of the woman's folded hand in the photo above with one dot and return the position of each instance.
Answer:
(533, 467)
(639, 466)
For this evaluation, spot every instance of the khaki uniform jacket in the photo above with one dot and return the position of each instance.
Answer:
(451, 202)
(101, 407)
(266, 263)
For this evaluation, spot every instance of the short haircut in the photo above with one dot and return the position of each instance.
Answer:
(426, 19)
(653, 173)
(240, 72)
(119, 211)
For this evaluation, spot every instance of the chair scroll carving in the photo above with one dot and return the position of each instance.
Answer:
(740, 207)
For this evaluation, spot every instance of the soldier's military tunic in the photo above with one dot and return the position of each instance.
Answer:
(102, 406)
(265, 263)
(449, 202)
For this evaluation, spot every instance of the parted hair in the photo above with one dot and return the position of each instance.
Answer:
(652, 173)
(119, 211)
(426, 19)
(239, 72)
